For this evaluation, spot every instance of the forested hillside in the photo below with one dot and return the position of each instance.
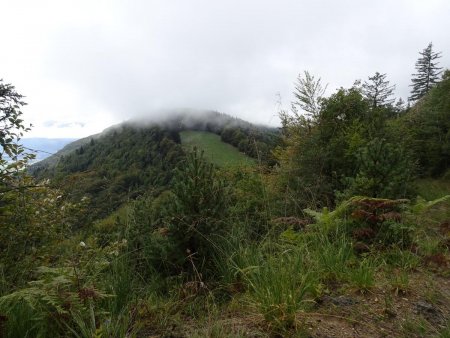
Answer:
(339, 227)
(138, 157)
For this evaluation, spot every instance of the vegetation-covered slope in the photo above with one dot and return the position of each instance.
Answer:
(122, 163)
(128, 160)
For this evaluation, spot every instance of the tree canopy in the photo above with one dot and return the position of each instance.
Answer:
(12, 127)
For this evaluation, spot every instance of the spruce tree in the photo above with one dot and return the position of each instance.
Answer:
(427, 73)
(378, 91)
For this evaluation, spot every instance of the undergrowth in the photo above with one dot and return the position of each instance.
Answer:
(275, 281)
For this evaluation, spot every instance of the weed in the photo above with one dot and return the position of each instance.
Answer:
(432, 293)
(389, 309)
(363, 277)
(400, 282)
(429, 246)
(280, 288)
(402, 259)
(333, 257)
(445, 333)
(416, 327)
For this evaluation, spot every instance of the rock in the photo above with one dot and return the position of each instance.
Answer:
(429, 312)
(340, 301)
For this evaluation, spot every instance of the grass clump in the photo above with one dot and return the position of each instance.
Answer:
(363, 276)
(280, 288)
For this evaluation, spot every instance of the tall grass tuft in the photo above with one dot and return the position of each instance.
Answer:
(281, 287)
(363, 276)
(332, 256)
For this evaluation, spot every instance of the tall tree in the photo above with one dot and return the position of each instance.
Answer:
(308, 93)
(378, 91)
(12, 155)
(427, 73)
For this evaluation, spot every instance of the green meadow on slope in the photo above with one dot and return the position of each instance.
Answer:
(220, 153)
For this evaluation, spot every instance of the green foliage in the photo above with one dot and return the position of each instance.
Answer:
(424, 129)
(376, 221)
(332, 256)
(13, 157)
(176, 230)
(255, 142)
(199, 209)
(403, 259)
(50, 303)
(357, 146)
(318, 152)
(363, 276)
(122, 164)
(75, 297)
(383, 170)
(280, 287)
(431, 189)
(37, 221)
(251, 206)
(422, 205)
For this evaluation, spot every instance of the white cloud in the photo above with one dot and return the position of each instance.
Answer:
(101, 62)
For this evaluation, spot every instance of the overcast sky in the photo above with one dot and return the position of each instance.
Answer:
(86, 64)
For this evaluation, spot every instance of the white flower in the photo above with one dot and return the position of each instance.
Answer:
(82, 244)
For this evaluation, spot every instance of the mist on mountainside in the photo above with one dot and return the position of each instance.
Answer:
(45, 147)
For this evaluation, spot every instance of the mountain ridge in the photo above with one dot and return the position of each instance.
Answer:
(207, 120)
(130, 159)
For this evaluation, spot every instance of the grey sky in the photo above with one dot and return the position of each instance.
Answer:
(85, 65)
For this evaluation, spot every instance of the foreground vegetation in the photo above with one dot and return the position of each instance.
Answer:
(341, 229)
(373, 267)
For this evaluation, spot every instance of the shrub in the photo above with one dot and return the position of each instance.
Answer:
(383, 170)
(174, 232)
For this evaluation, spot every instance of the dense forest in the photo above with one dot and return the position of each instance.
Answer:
(340, 227)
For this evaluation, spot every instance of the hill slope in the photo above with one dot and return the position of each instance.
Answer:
(137, 157)
(255, 141)
(121, 164)
(218, 152)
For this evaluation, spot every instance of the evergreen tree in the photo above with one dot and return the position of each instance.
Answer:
(427, 73)
(400, 106)
(378, 91)
(309, 93)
